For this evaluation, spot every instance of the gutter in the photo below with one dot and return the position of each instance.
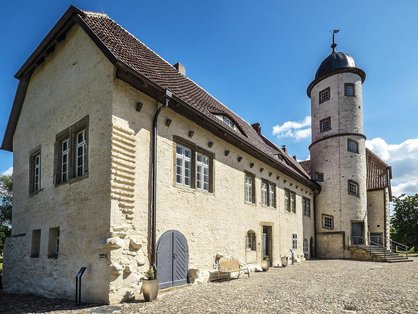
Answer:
(153, 212)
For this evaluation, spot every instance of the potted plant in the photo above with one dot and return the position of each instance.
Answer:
(150, 285)
(284, 260)
(265, 263)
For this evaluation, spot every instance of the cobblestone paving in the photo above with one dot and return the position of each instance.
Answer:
(327, 286)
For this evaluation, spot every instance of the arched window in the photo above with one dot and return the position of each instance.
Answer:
(251, 241)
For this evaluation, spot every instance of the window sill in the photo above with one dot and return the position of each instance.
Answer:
(35, 193)
(250, 203)
(79, 178)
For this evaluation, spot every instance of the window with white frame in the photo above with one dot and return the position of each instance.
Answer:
(324, 95)
(268, 193)
(251, 241)
(65, 155)
(290, 201)
(71, 152)
(353, 188)
(249, 188)
(81, 146)
(327, 221)
(227, 121)
(352, 146)
(305, 246)
(294, 241)
(183, 165)
(202, 172)
(306, 204)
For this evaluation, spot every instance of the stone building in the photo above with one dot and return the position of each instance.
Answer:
(121, 162)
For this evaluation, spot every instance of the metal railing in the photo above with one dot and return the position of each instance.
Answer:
(379, 244)
(78, 285)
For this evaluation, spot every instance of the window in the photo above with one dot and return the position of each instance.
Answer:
(193, 165)
(290, 201)
(35, 172)
(36, 243)
(352, 146)
(327, 222)
(81, 146)
(251, 241)
(54, 242)
(268, 193)
(325, 124)
(202, 172)
(226, 120)
(319, 176)
(349, 90)
(249, 188)
(353, 188)
(306, 204)
(294, 241)
(305, 246)
(183, 165)
(71, 152)
(324, 95)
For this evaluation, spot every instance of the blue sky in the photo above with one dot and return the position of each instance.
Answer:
(258, 57)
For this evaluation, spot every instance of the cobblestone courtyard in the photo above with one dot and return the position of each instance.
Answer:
(325, 286)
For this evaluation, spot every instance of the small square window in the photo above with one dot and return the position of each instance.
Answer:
(352, 146)
(325, 124)
(319, 176)
(349, 90)
(353, 188)
(327, 222)
(324, 95)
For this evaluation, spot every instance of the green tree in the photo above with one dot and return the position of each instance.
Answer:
(405, 220)
(6, 198)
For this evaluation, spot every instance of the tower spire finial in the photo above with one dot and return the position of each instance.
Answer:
(334, 45)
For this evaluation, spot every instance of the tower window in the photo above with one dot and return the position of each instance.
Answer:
(353, 188)
(319, 176)
(325, 124)
(327, 222)
(324, 95)
(349, 90)
(352, 146)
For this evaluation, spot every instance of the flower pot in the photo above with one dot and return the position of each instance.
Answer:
(150, 289)
(284, 260)
(265, 265)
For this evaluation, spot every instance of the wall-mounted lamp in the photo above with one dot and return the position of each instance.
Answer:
(138, 106)
(168, 122)
(191, 133)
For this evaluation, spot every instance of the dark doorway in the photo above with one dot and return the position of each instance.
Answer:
(267, 243)
(172, 259)
(357, 232)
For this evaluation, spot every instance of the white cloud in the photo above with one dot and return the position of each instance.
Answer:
(403, 158)
(8, 172)
(294, 129)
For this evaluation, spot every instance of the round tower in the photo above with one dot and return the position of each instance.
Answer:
(338, 155)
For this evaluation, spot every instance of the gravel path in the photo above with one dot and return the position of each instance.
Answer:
(323, 286)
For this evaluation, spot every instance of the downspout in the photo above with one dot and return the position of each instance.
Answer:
(167, 97)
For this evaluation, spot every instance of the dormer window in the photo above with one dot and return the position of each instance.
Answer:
(227, 121)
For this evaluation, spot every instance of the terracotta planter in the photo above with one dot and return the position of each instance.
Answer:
(150, 289)
(265, 265)
(284, 260)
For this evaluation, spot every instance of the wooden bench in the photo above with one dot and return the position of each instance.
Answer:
(228, 266)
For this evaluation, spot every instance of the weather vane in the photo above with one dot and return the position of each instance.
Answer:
(334, 45)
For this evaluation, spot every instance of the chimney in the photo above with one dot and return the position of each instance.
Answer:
(294, 157)
(284, 148)
(257, 127)
(180, 68)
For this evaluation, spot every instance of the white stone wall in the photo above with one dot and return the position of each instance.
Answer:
(378, 204)
(211, 222)
(73, 82)
(331, 157)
